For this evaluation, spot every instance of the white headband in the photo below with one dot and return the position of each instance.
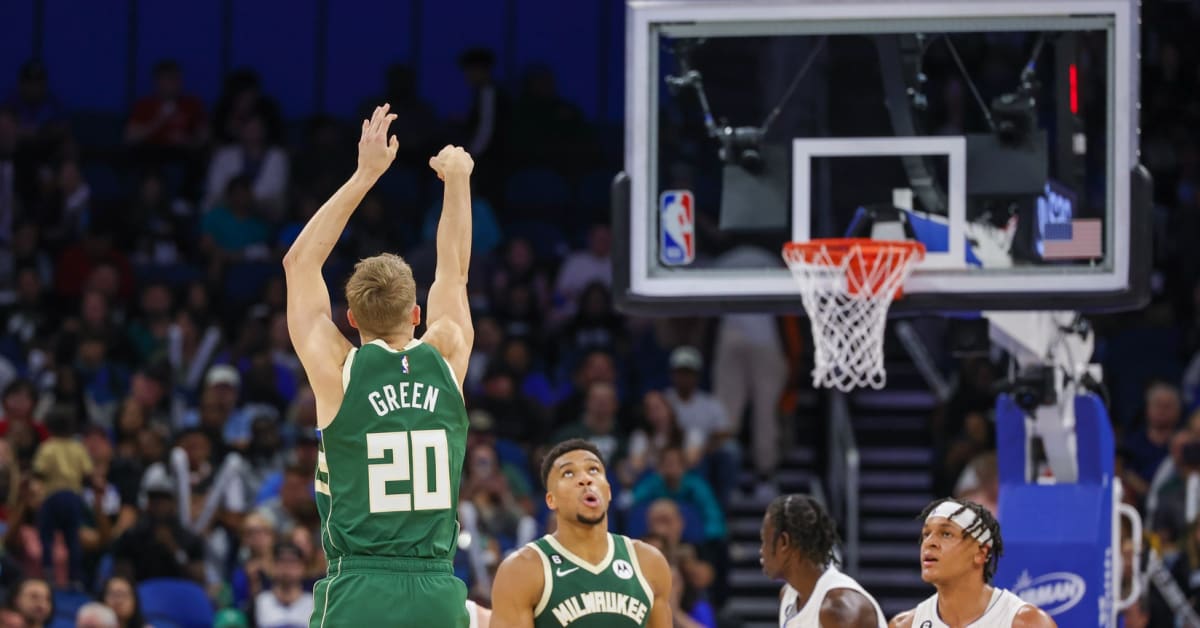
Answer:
(964, 519)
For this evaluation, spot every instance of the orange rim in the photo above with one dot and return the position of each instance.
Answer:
(868, 260)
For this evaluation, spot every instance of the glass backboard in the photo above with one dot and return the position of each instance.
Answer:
(1001, 134)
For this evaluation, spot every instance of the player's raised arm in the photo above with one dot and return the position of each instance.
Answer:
(517, 590)
(319, 345)
(449, 317)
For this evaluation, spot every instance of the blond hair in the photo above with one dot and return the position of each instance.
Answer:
(381, 293)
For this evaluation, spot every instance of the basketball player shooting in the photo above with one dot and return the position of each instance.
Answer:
(960, 548)
(581, 575)
(798, 538)
(391, 414)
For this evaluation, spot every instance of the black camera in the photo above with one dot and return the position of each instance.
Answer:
(1032, 387)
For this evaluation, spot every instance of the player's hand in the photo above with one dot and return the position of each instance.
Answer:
(375, 150)
(452, 162)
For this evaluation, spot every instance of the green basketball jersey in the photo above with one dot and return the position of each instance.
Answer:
(389, 464)
(582, 595)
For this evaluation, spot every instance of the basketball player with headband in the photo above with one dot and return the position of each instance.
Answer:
(798, 538)
(960, 547)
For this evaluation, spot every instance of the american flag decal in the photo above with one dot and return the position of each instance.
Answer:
(1078, 239)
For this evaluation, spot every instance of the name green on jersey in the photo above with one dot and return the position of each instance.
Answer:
(389, 464)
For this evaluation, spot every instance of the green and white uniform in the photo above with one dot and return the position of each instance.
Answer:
(387, 484)
(612, 594)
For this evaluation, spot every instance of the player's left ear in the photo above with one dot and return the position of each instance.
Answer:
(981, 555)
(416, 315)
(350, 318)
(550, 501)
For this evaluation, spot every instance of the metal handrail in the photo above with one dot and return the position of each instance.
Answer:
(843, 477)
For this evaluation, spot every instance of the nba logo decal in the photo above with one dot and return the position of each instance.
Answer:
(404, 364)
(677, 219)
(623, 569)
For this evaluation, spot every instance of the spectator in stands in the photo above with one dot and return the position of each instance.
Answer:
(242, 98)
(518, 357)
(158, 545)
(263, 164)
(38, 112)
(1148, 446)
(1168, 492)
(598, 425)
(192, 341)
(980, 482)
(750, 371)
(21, 539)
(688, 608)
(83, 257)
(63, 465)
(231, 231)
(490, 503)
(978, 436)
(264, 454)
(486, 129)
(286, 603)
(596, 326)
(10, 484)
(252, 575)
(517, 418)
(10, 192)
(158, 225)
(518, 267)
(219, 414)
(665, 523)
(582, 268)
(96, 615)
(149, 396)
(65, 210)
(294, 507)
(147, 328)
(18, 402)
(553, 131)
(698, 409)
(168, 124)
(595, 367)
(119, 594)
(659, 429)
(671, 480)
(32, 599)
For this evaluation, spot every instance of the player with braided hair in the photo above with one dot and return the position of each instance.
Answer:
(798, 540)
(960, 547)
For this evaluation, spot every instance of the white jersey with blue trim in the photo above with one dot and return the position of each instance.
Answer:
(809, 615)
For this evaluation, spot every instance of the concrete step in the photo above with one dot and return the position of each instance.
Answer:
(892, 480)
(746, 577)
(909, 504)
(747, 607)
(865, 426)
(893, 399)
(874, 457)
(888, 552)
(889, 577)
(891, 528)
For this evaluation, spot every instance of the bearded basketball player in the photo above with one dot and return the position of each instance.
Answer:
(960, 547)
(391, 414)
(581, 575)
(798, 539)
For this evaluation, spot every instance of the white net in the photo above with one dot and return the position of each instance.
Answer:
(847, 287)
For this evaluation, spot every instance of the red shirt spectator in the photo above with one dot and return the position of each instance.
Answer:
(167, 118)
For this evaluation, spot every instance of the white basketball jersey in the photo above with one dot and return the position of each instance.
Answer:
(810, 615)
(1001, 611)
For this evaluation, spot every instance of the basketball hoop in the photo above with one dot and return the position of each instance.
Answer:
(847, 285)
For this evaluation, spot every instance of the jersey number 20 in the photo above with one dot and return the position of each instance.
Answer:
(409, 464)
